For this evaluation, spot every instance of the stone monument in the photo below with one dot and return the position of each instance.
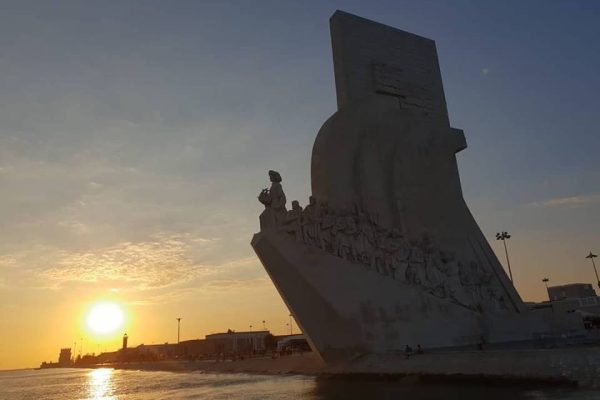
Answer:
(386, 254)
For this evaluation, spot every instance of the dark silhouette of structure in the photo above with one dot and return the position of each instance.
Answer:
(64, 358)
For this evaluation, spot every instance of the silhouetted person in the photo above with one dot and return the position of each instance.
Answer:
(407, 351)
(419, 349)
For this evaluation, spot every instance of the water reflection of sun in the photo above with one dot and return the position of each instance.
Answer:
(101, 385)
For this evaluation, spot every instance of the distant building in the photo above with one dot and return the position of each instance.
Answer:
(238, 342)
(293, 343)
(165, 350)
(64, 358)
(226, 343)
(577, 298)
(571, 291)
(107, 357)
(193, 348)
(217, 345)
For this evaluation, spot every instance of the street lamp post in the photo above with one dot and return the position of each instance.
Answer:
(591, 256)
(545, 280)
(504, 236)
(178, 328)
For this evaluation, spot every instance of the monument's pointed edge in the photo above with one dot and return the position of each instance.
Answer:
(339, 15)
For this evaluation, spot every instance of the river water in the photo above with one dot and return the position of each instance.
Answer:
(109, 384)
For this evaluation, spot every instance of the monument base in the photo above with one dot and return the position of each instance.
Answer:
(344, 319)
(578, 366)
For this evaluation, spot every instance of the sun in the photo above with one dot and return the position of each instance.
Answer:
(105, 317)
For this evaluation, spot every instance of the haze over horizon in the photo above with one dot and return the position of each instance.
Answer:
(135, 137)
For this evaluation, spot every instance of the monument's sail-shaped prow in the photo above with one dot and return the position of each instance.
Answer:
(387, 254)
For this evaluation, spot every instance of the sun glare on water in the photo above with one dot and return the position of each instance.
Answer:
(105, 318)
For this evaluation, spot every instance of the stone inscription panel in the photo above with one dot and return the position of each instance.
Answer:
(374, 58)
(391, 80)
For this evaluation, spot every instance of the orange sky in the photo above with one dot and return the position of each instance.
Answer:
(49, 319)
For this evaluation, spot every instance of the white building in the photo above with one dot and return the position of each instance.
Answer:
(238, 342)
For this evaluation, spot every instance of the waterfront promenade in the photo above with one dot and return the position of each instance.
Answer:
(567, 366)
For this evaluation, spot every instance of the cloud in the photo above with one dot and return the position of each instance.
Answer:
(153, 264)
(163, 297)
(572, 201)
(230, 284)
(167, 268)
(8, 262)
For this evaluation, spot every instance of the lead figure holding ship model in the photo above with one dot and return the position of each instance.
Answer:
(274, 201)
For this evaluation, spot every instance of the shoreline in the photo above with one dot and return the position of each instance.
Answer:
(306, 364)
(574, 367)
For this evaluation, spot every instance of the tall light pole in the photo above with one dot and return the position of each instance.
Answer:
(291, 329)
(545, 280)
(503, 236)
(591, 256)
(178, 328)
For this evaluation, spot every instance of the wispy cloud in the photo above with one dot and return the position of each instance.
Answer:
(571, 201)
(8, 261)
(163, 296)
(145, 265)
(215, 285)
(237, 284)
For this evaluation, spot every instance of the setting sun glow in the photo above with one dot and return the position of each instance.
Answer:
(105, 318)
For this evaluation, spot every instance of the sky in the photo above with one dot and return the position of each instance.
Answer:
(136, 135)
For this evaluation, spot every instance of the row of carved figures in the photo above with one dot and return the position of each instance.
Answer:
(355, 236)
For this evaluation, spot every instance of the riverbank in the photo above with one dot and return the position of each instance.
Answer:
(568, 366)
(305, 364)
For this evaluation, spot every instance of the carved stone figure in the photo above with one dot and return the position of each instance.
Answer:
(345, 231)
(327, 223)
(311, 223)
(274, 201)
(294, 221)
